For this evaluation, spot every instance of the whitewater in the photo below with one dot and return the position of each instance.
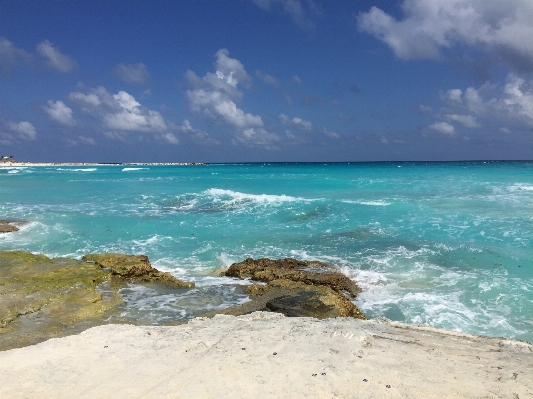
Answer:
(441, 244)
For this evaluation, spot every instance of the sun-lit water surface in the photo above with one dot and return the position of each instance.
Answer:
(443, 244)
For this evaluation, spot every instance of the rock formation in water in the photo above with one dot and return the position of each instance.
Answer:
(135, 268)
(295, 288)
(10, 226)
(41, 298)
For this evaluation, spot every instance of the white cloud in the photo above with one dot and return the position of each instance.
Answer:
(267, 78)
(87, 140)
(59, 112)
(24, 129)
(132, 116)
(91, 99)
(10, 55)
(297, 79)
(330, 133)
(296, 122)
(133, 73)
(465, 120)
(443, 127)
(454, 95)
(196, 135)
(56, 59)
(430, 25)
(213, 96)
(513, 103)
(120, 136)
(295, 9)
(119, 111)
(384, 140)
(170, 138)
(257, 137)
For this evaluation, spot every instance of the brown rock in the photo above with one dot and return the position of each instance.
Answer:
(135, 268)
(295, 288)
(308, 272)
(9, 226)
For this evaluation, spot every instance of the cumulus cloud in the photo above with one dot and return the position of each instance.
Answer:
(10, 55)
(465, 120)
(25, 130)
(512, 103)
(59, 112)
(298, 11)
(267, 78)
(131, 115)
(56, 60)
(257, 137)
(453, 95)
(213, 96)
(170, 138)
(330, 133)
(296, 122)
(505, 27)
(196, 135)
(136, 74)
(443, 127)
(119, 111)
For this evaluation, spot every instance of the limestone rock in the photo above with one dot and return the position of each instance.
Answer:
(10, 226)
(135, 268)
(308, 272)
(295, 288)
(41, 298)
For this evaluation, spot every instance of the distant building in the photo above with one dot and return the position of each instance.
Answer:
(8, 158)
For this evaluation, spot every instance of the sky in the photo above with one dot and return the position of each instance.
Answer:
(266, 80)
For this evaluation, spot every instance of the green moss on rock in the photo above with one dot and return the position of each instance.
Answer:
(135, 268)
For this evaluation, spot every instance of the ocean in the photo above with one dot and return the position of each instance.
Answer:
(447, 245)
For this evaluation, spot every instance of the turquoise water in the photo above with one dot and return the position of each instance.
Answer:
(443, 244)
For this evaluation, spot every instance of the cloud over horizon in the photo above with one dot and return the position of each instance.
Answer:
(55, 59)
(429, 26)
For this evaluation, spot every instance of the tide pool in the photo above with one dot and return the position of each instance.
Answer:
(443, 244)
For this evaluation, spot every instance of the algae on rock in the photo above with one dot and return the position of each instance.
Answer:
(42, 298)
(59, 294)
(136, 268)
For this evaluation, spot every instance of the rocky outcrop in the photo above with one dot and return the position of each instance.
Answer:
(42, 298)
(313, 273)
(135, 268)
(295, 288)
(10, 226)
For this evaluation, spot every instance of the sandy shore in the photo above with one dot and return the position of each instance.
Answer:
(266, 355)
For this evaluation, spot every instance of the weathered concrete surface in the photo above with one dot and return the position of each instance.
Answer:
(266, 355)
(136, 268)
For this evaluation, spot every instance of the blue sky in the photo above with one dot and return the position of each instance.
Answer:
(266, 80)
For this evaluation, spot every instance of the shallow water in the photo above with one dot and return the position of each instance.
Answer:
(443, 244)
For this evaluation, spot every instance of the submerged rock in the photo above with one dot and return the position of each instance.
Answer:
(136, 268)
(295, 288)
